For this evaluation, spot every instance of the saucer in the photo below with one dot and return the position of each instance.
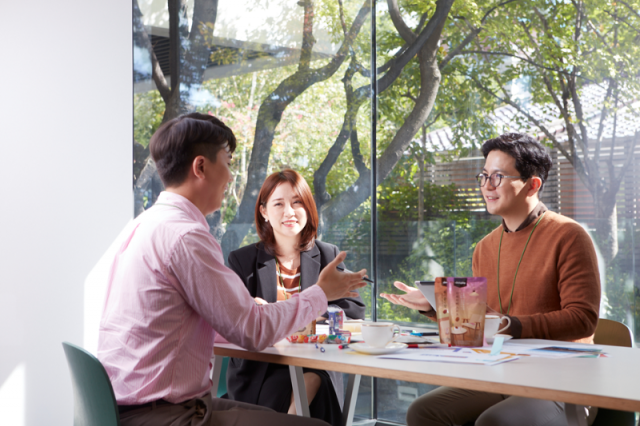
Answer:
(370, 350)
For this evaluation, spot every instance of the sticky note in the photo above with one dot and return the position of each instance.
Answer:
(497, 345)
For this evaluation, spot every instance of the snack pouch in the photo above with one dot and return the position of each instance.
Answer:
(442, 309)
(341, 337)
(467, 301)
(309, 329)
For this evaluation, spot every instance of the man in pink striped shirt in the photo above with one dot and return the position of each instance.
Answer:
(169, 293)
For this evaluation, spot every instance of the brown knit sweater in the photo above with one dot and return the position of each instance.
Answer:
(557, 290)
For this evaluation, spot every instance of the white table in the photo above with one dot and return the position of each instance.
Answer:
(602, 382)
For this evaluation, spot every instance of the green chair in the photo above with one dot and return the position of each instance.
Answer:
(222, 384)
(93, 397)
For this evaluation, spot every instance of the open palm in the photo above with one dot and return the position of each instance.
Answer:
(412, 297)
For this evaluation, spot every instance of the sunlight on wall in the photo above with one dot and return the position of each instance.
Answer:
(12, 398)
(95, 287)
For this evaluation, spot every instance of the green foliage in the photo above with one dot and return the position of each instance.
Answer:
(620, 293)
(148, 109)
(398, 196)
(445, 249)
(522, 45)
(541, 45)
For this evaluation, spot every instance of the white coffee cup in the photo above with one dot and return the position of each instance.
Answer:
(491, 324)
(378, 334)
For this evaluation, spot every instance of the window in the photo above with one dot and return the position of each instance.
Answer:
(295, 82)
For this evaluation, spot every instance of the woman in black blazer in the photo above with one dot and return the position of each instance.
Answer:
(287, 260)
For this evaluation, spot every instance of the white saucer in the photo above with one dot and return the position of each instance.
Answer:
(370, 350)
(506, 337)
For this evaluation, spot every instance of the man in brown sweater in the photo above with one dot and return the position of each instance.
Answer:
(542, 273)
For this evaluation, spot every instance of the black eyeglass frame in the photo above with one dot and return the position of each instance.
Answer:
(485, 177)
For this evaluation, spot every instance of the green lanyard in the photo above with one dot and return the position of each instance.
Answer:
(514, 277)
(282, 279)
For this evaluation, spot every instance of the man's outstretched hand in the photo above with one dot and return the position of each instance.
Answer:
(412, 297)
(337, 284)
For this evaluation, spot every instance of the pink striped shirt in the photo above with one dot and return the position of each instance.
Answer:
(168, 295)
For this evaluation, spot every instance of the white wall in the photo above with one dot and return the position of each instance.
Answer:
(65, 173)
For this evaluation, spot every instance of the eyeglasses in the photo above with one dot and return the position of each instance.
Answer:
(495, 179)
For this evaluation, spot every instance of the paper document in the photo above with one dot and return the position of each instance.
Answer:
(557, 351)
(451, 355)
(553, 351)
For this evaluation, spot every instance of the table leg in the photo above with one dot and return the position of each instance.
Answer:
(575, 415)
(350, 398)
(299, 391)
(215, 374)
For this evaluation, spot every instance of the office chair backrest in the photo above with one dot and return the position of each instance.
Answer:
(613, 333)
(93, 398)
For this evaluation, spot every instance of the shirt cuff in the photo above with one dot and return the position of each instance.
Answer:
(318, 299)
(515, 327)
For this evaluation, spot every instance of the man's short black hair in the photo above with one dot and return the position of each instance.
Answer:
(177, 142)
(532, 159)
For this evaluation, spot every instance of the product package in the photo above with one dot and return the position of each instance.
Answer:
(442, 309)
(336, 318)
(467, 302)
(309, 329)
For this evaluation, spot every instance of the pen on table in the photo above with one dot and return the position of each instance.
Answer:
(420, 333)
(339, 268)
(418, 345)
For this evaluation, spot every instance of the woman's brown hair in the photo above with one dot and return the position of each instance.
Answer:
(301, 187)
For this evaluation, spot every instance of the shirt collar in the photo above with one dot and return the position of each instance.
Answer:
(535, 213)
(182, 203)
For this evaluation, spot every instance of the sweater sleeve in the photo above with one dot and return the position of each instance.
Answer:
(579, 290)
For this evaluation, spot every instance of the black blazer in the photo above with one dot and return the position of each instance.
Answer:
(257, 270)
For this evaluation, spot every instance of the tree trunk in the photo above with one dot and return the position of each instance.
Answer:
(425, 45)
(187, 73)
(270, 114)
(344, 203)
(607, 231)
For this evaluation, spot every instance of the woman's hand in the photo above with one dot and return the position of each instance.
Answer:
(260, 301)
(412, 297)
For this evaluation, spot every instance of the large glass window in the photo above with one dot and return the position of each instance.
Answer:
(385, 117)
